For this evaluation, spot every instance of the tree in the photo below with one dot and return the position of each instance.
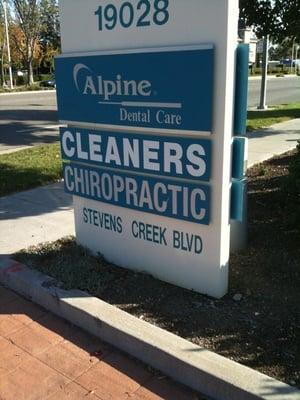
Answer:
(261, 14)
(28, 18)
(2, 45)
(289, 18)
(50, 32)
(278, 18)
(19, 47)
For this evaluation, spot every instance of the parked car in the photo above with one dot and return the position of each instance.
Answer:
(49, 83)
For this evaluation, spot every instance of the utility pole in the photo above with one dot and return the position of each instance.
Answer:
(265, 61)
(7, 43)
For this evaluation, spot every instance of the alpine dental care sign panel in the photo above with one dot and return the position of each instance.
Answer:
(163, 90)
(145, 90)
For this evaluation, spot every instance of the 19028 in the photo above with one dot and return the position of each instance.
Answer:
(143, 14)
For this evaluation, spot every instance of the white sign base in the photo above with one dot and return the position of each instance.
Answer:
(191, 22)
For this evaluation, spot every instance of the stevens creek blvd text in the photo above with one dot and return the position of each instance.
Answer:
(139, 230)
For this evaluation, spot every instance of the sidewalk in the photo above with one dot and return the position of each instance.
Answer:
(44, 357)
(275, 140)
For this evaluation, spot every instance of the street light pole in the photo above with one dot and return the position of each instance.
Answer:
(8, 46)
(292, 55)
(263, 90)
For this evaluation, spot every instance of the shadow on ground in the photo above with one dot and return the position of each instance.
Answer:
(27, 127)
(35, 202)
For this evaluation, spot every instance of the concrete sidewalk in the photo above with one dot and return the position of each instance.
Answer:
(275, 140)
(35, 216)
(44, 357)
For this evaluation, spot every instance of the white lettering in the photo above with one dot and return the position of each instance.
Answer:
(172, 155)
(150, 155)
(131, 153)
(68, 150)
(81, 154)
(95, 148)
(89, 85)
(194, 153)
(112, 152)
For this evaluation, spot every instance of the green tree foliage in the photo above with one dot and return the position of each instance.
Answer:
(289, 18)
(261, 14)
(278, 18)
(50, 32)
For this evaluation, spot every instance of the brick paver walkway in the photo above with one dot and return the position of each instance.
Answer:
(44, 357)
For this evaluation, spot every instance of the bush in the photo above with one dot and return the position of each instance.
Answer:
(21, 80)
(43, 77)
(35, 86)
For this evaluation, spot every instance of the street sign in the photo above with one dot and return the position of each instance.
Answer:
(164, 90)
(146, 88)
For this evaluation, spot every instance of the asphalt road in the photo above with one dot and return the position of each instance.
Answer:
(279, 91)
(27, 119)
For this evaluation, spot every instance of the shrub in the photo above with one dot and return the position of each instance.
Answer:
(43, 77)
(35, 86)
(21, 80)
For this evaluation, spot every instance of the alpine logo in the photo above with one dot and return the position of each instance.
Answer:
(97, 85)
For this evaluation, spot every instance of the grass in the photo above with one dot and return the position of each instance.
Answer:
(264, 119)
(30, 168)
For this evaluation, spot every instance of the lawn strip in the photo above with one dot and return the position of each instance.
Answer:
(26, 169)
(275, 114)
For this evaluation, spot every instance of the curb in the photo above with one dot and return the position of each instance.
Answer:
(200, 369)
(28, 91)
(258, 77)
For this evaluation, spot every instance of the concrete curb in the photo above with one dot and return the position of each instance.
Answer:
(258, 77)
(28, 91)
(197, 368)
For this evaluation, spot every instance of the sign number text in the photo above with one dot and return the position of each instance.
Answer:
(145, 13)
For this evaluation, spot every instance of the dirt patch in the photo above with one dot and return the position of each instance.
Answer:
(256, 324)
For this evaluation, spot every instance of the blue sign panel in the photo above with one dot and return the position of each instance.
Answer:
(171, 156)
(162, 90)
(164, 197)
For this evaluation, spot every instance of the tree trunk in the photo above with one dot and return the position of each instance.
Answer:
(29, 64)
(30, 72)
(2, 68)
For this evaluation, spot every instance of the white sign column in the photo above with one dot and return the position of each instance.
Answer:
(189, 254)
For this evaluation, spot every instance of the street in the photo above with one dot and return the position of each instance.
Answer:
(279, 91)
(28, 118)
